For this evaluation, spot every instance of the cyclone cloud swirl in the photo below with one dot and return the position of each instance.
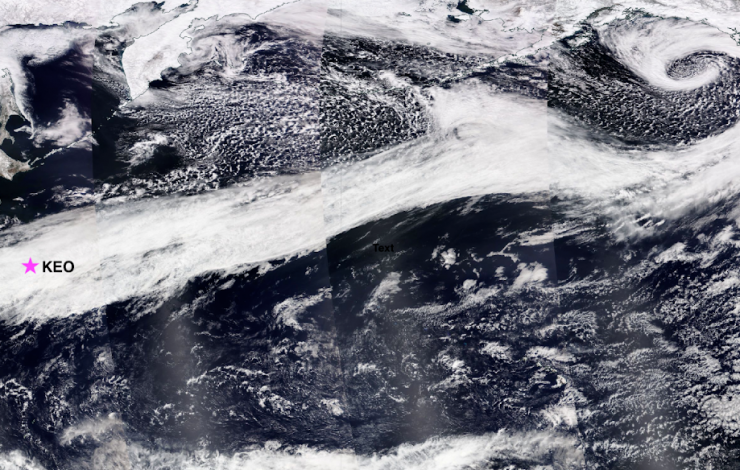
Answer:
(637, 82)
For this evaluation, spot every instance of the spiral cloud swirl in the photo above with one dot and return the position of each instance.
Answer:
(634, 79)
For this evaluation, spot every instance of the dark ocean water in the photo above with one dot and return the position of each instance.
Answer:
(57, 82)
(56, 172)
(218, 366)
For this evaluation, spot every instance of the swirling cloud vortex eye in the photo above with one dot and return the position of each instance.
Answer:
(635, 81)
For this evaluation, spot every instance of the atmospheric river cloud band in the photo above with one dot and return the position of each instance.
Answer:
(479, 141)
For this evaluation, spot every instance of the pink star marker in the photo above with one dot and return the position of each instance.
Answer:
(30, 266)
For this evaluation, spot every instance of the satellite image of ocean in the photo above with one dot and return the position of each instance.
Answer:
(369, 235)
